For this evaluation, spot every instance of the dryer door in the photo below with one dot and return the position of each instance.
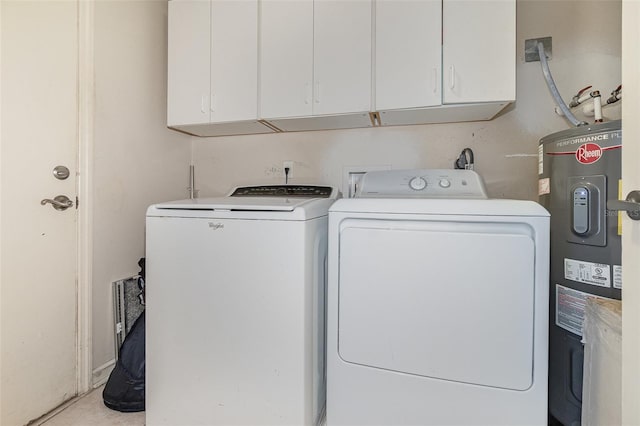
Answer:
(441, 299)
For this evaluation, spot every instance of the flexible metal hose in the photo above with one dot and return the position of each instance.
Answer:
(554, 90)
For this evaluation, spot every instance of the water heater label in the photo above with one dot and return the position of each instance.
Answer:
(540, 159)
(584, 149)
(570, 306)
(544, 186)
(617, 276)
(588, 273)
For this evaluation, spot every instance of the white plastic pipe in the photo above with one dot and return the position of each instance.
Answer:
(554, 90)
(597, 108)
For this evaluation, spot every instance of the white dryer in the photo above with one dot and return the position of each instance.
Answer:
(437, 304)
(235, 301)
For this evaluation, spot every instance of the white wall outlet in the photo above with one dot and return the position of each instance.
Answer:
(285, 165)
(351, 176)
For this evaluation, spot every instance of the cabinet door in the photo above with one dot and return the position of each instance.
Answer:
(342, 56)
(479, 50)
(234, 60)
(188, 84)
(286, 56)
(408, 56)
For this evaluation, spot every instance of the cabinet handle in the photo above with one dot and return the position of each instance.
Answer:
(452, 77)
(203, 104)
(435, 80)
(317, 92)
(213, 104)
(308, 93)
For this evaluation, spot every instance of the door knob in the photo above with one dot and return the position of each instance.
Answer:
(61, 202)
(631, 205)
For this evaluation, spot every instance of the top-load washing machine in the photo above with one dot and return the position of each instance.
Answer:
(235, 301)
(437, 304)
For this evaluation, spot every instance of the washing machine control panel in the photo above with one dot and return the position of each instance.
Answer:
(303, 191)
(422, 183)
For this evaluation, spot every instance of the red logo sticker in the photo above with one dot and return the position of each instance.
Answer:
(588, 153)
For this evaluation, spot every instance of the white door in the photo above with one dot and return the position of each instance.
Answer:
(286, 58)
(393, 288)
(408, 59)
(342, 56)
(39, 125)
(630, 228)
(478, 50)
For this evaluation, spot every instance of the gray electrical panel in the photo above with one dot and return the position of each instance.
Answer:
(579, 170)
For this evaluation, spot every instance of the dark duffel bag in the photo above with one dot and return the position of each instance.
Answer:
(124, 390)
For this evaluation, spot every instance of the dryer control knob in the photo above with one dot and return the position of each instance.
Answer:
(445, 183)
(417, 183)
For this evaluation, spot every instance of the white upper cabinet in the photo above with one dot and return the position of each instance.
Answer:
(479, 52)
(234, 60)
(257, 66)
(444, 60)
(189, 51)
(342, 56)
(315, 57)
(408, 53)
(213, 67)
(286, 55)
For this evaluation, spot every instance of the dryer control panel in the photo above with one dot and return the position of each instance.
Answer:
(422, 183)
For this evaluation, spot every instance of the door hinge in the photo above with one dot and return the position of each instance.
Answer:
(77, 202)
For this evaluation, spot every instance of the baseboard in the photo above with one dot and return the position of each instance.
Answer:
(101, 374)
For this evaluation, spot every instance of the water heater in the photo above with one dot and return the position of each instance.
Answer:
(579, 170)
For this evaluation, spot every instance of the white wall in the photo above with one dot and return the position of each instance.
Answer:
(582, 56)
(137, 160)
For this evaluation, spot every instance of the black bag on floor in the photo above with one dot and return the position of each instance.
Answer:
(124, 390)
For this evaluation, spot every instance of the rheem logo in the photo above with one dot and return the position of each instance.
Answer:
(588, 153)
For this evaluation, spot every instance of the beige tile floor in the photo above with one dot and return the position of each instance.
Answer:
(90, 411)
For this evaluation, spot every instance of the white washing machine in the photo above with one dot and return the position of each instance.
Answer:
(235, 308)
(437, 304)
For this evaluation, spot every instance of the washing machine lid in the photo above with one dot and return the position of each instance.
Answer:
(290, 202)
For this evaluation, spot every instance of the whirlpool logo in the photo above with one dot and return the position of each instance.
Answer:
(214, 226)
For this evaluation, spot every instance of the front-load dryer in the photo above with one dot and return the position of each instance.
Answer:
(235, 301)
(437, 304)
